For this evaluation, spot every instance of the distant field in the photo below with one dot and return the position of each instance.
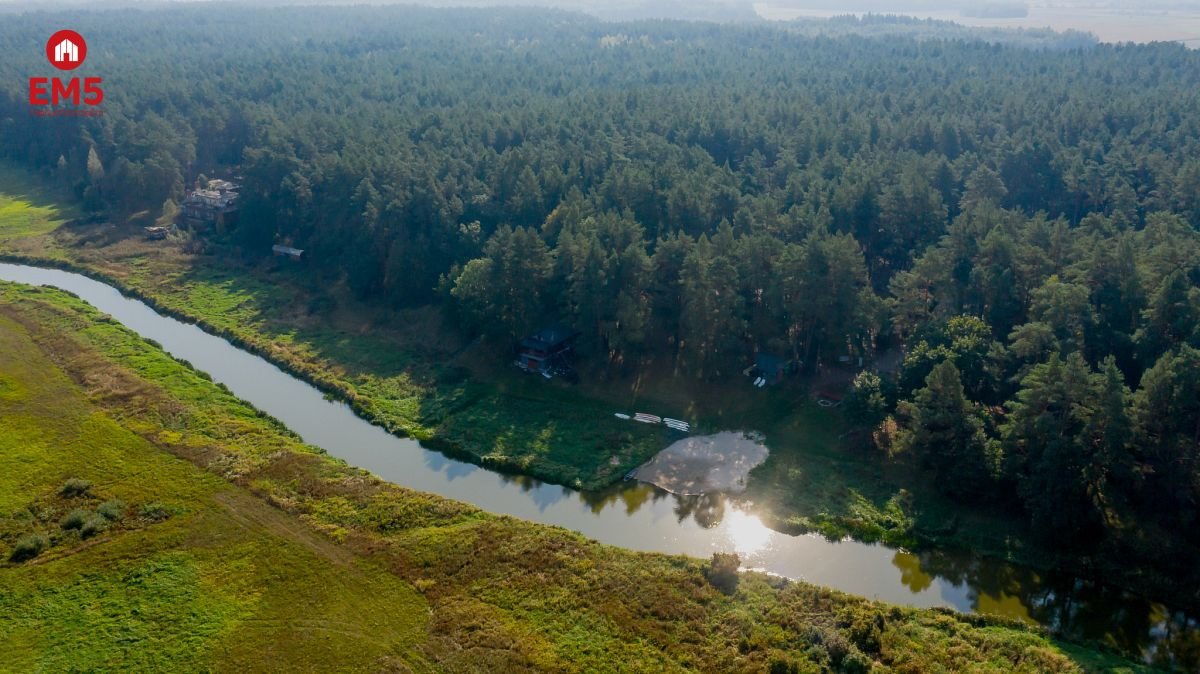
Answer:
(1107, 25)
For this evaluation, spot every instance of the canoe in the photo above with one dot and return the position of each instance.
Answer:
(676, 423)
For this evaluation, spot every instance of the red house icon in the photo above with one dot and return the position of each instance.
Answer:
(66, 52)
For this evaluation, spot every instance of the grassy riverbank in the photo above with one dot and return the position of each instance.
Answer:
(234, 546)
(402, 370)
(186, 572)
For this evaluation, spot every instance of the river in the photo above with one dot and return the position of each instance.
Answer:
(642, 517)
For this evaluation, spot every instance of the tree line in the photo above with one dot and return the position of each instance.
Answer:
(1055, 369)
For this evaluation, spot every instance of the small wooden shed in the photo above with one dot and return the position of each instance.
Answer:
(288, 252)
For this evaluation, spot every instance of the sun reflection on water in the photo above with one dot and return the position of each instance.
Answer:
(747, 532)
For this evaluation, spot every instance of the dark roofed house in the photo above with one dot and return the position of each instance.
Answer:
(770, 369)
(546, 351)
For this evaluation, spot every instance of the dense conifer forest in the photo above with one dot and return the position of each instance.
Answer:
(1021, 219)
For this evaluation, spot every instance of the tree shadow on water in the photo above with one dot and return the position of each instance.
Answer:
(1070, 607)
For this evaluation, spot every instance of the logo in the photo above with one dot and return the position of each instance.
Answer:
(66, 50)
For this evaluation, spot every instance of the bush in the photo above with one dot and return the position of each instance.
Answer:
(111, 510)
(94, 525)
(75, 519)
(779, 666)
(723, 571)
(154, 511)
(28, 547)
(867, 403)
(864, 627)
(856, 662)
(321, 305)
(837, 646)
(75, 487)
(841, 651)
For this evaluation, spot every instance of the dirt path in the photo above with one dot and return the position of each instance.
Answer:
(251, 512)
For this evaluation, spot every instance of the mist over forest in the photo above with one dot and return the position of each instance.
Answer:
(1070, 14)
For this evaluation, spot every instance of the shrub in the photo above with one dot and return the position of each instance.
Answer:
(864, 627)
(75, 519)
(321, 305)
(817, 655)
(885, 436)
(779, 666)
(94, 525)
(856, 662)
(837, 646)
(111, 510)
(75, 487)
(154, 511)
(28, 547)
(723, 571)
(867, 404)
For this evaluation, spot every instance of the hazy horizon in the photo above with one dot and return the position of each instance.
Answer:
(1107, 20)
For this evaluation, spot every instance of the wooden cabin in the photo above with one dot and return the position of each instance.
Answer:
(546, 350)
(214, 206)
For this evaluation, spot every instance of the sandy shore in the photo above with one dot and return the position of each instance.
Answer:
(703, 464)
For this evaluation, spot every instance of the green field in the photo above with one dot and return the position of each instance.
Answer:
(28, 207)
(222, 579)
(237, 548)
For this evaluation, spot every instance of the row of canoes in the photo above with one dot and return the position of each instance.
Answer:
(674, 424)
